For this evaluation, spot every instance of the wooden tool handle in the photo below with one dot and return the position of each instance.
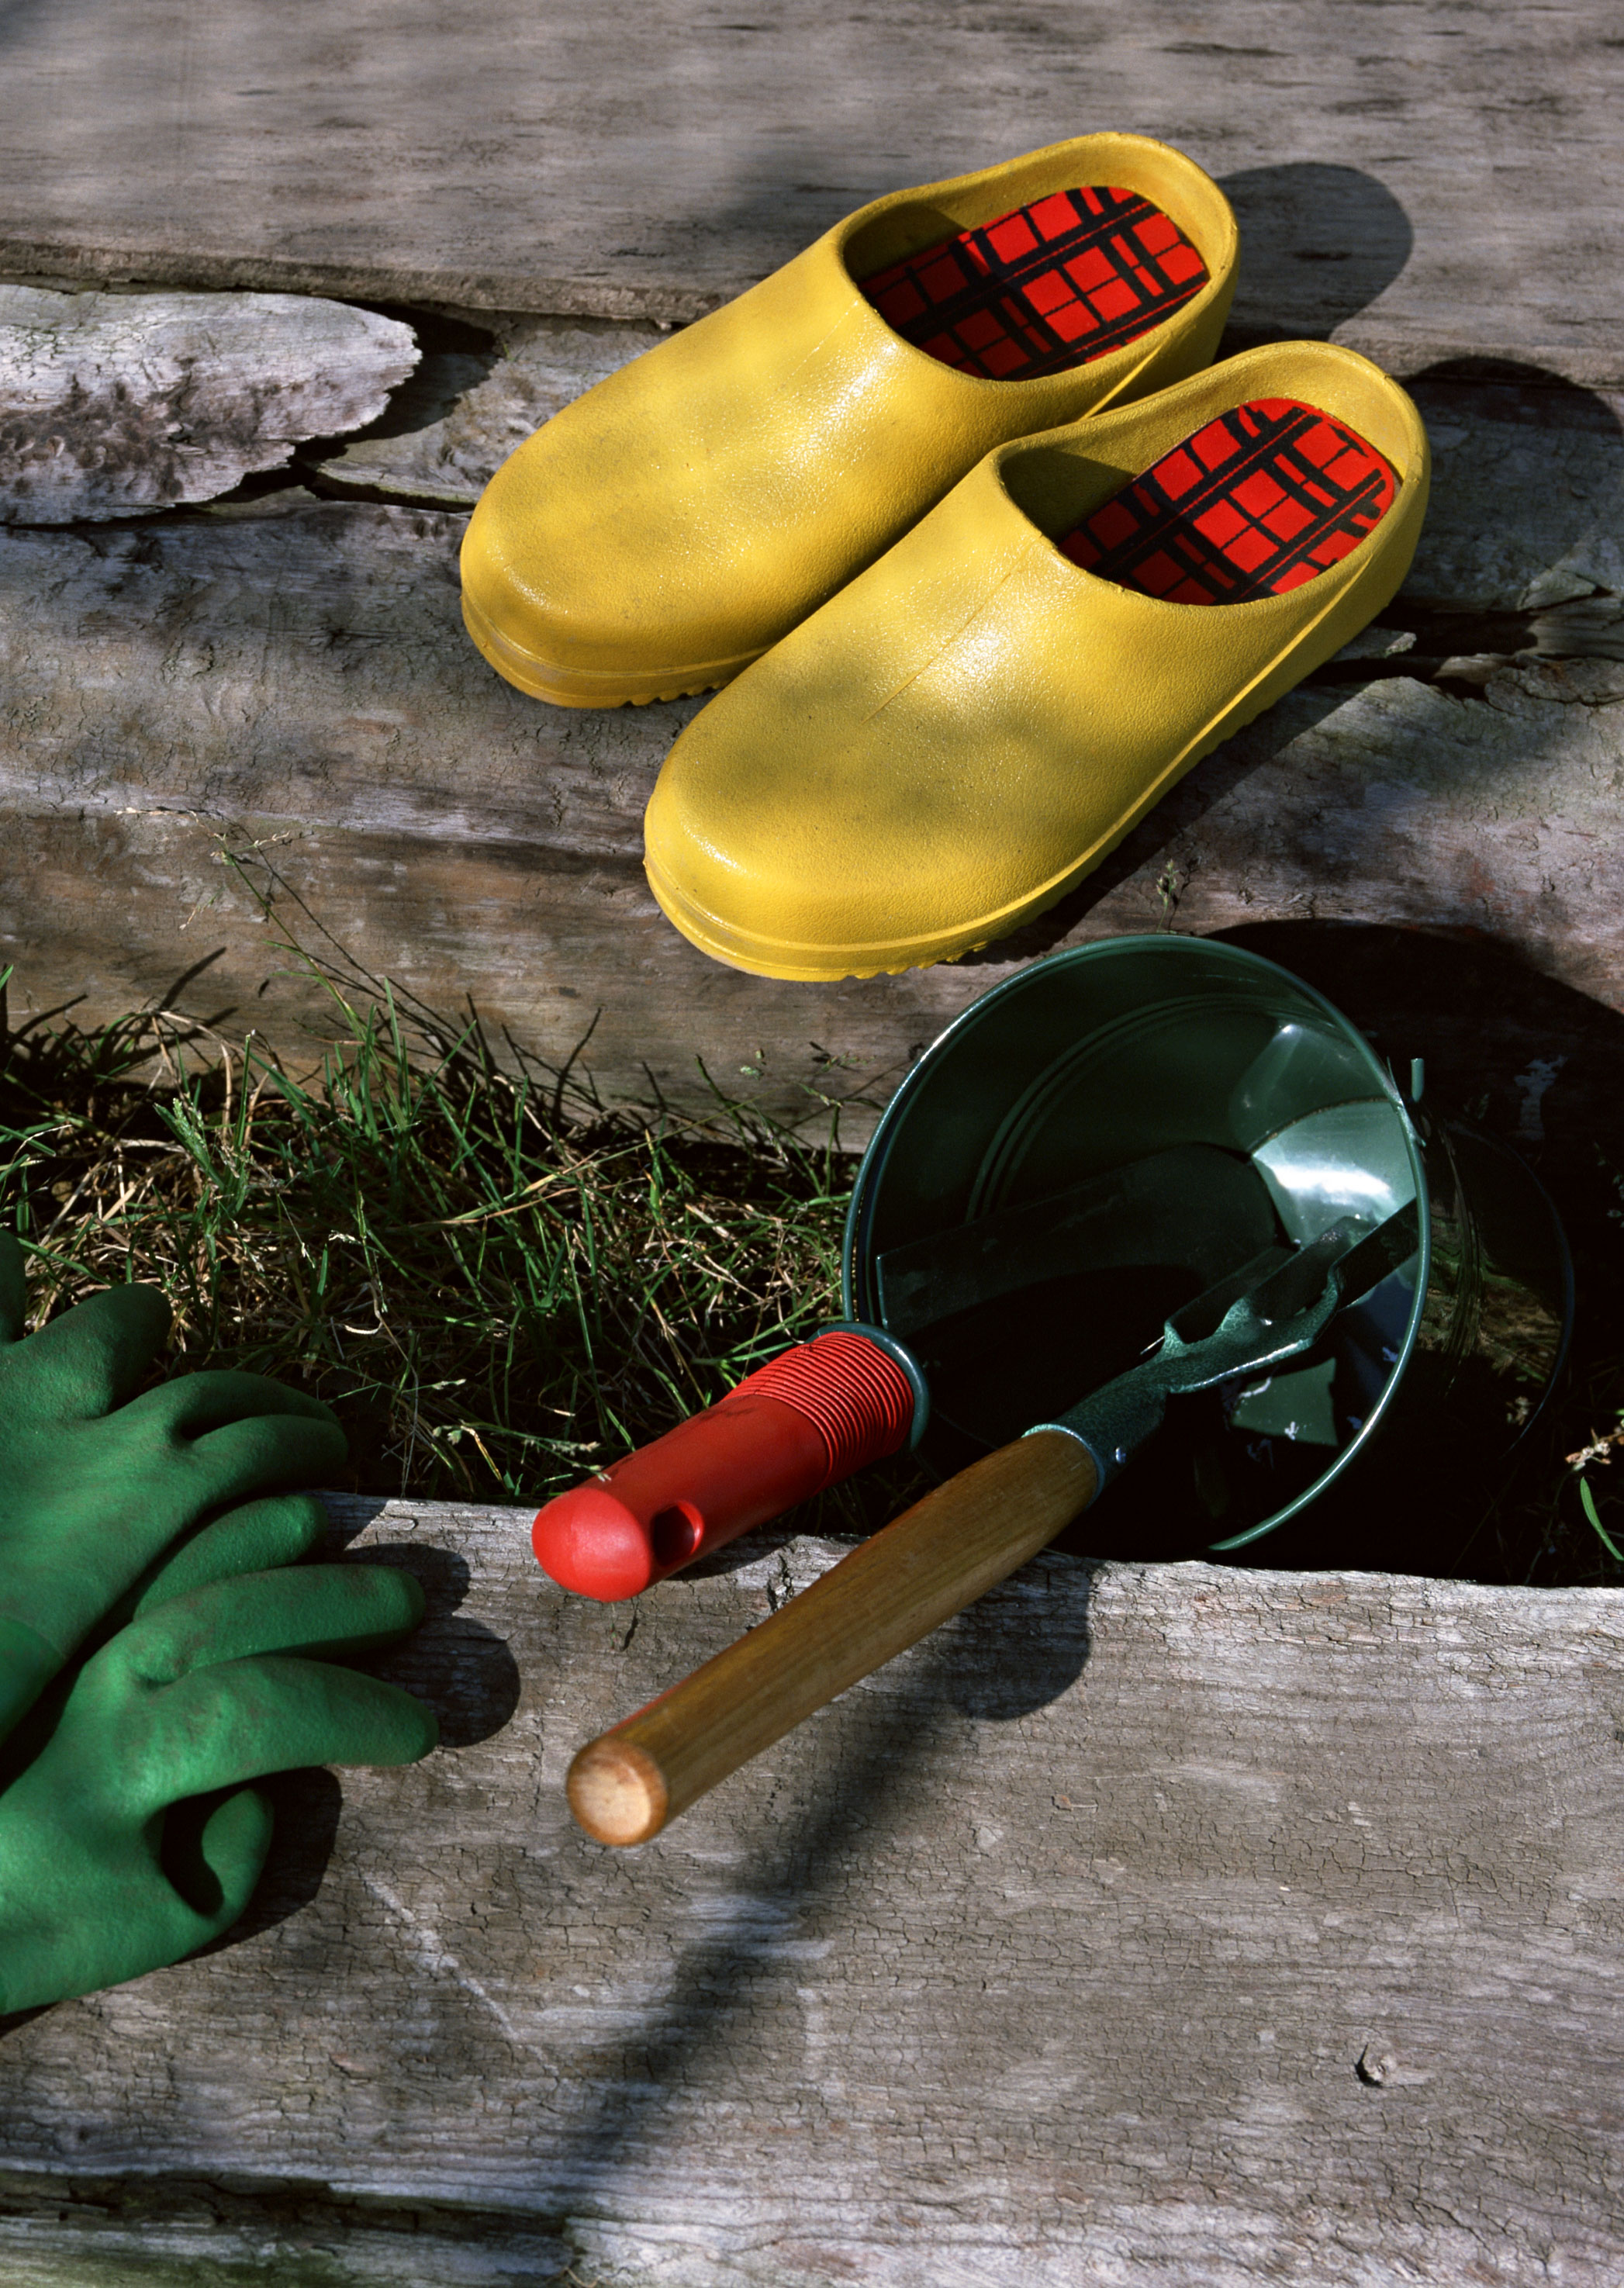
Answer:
(930, 1563)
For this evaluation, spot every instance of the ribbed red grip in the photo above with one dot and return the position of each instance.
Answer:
(809, 1417)
(856, 1394)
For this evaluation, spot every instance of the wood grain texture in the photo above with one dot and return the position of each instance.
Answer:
(1171, 1926)
(296, 676)
(111, 404)
(447, 462)
(943, 1552)
(1420, 181)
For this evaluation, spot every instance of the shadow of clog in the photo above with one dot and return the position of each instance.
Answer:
(1318, 245)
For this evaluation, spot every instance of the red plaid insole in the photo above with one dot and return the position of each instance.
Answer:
(1051, 285)
(1255, 504)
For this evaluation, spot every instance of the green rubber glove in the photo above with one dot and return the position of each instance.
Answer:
(109, 1864)
(254, 1538)
(95, 1484)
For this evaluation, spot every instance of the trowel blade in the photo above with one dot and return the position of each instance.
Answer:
(1280, 1304)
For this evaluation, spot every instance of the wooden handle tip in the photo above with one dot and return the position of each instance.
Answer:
(617, 1792)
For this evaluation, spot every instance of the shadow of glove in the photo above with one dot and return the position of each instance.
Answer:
(110, 1865)
(95, 1482)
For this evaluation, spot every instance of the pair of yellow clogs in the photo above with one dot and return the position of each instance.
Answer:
(985, 604)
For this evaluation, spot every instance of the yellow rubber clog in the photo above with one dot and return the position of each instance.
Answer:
(968, 728)
(668, 527)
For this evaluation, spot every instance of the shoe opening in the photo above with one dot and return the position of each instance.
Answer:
(1264, 498)
(1047, 287)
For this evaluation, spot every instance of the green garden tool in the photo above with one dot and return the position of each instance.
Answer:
(1271, 1311)
(959, 1541)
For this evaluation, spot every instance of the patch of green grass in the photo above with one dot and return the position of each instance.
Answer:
(497, 1283)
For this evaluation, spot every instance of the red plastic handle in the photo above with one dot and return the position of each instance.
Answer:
(811, 1416)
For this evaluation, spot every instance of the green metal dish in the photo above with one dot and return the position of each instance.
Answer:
(1108, 1054)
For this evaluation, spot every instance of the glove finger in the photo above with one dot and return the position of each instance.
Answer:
(213, 1853)
(13, 1290)
(237, 1842)
(254, 1538)
(148, 1500)
(192, 1405)
(264, 1454)
(91, 1359)
(321, 1611)
(221, 1725)
(163, 1494)
(121, 1919)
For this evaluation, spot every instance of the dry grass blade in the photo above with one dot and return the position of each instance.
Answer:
(496, 1282)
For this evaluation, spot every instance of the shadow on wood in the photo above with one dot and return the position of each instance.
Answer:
(467, 1675)
(1318, 245)
(1019, 1650)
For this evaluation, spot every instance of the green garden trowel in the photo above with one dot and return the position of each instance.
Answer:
(1272, 1310)
(971, 1533)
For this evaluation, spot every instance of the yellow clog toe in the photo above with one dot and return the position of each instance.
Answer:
(668, 527)
(968, 728)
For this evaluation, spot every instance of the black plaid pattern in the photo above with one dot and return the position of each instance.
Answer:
(1259, 501)
(1048, 286)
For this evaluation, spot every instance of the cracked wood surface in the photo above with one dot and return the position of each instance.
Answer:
(292, 677)
(111, 404)
(448, 462)
(1423, 181)
(1169, 1925)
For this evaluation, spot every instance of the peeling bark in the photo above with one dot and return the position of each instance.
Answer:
(546, 363)
(113, 404)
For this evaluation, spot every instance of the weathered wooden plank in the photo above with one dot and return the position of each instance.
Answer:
(111, 404)
(1528, 485)
(1420, 180)
(297, 676)
(545, 363)
(1153, 1924)
(1527, 504)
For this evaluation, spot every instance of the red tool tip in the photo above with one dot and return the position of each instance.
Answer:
(811, 1416)
(592, 1542)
